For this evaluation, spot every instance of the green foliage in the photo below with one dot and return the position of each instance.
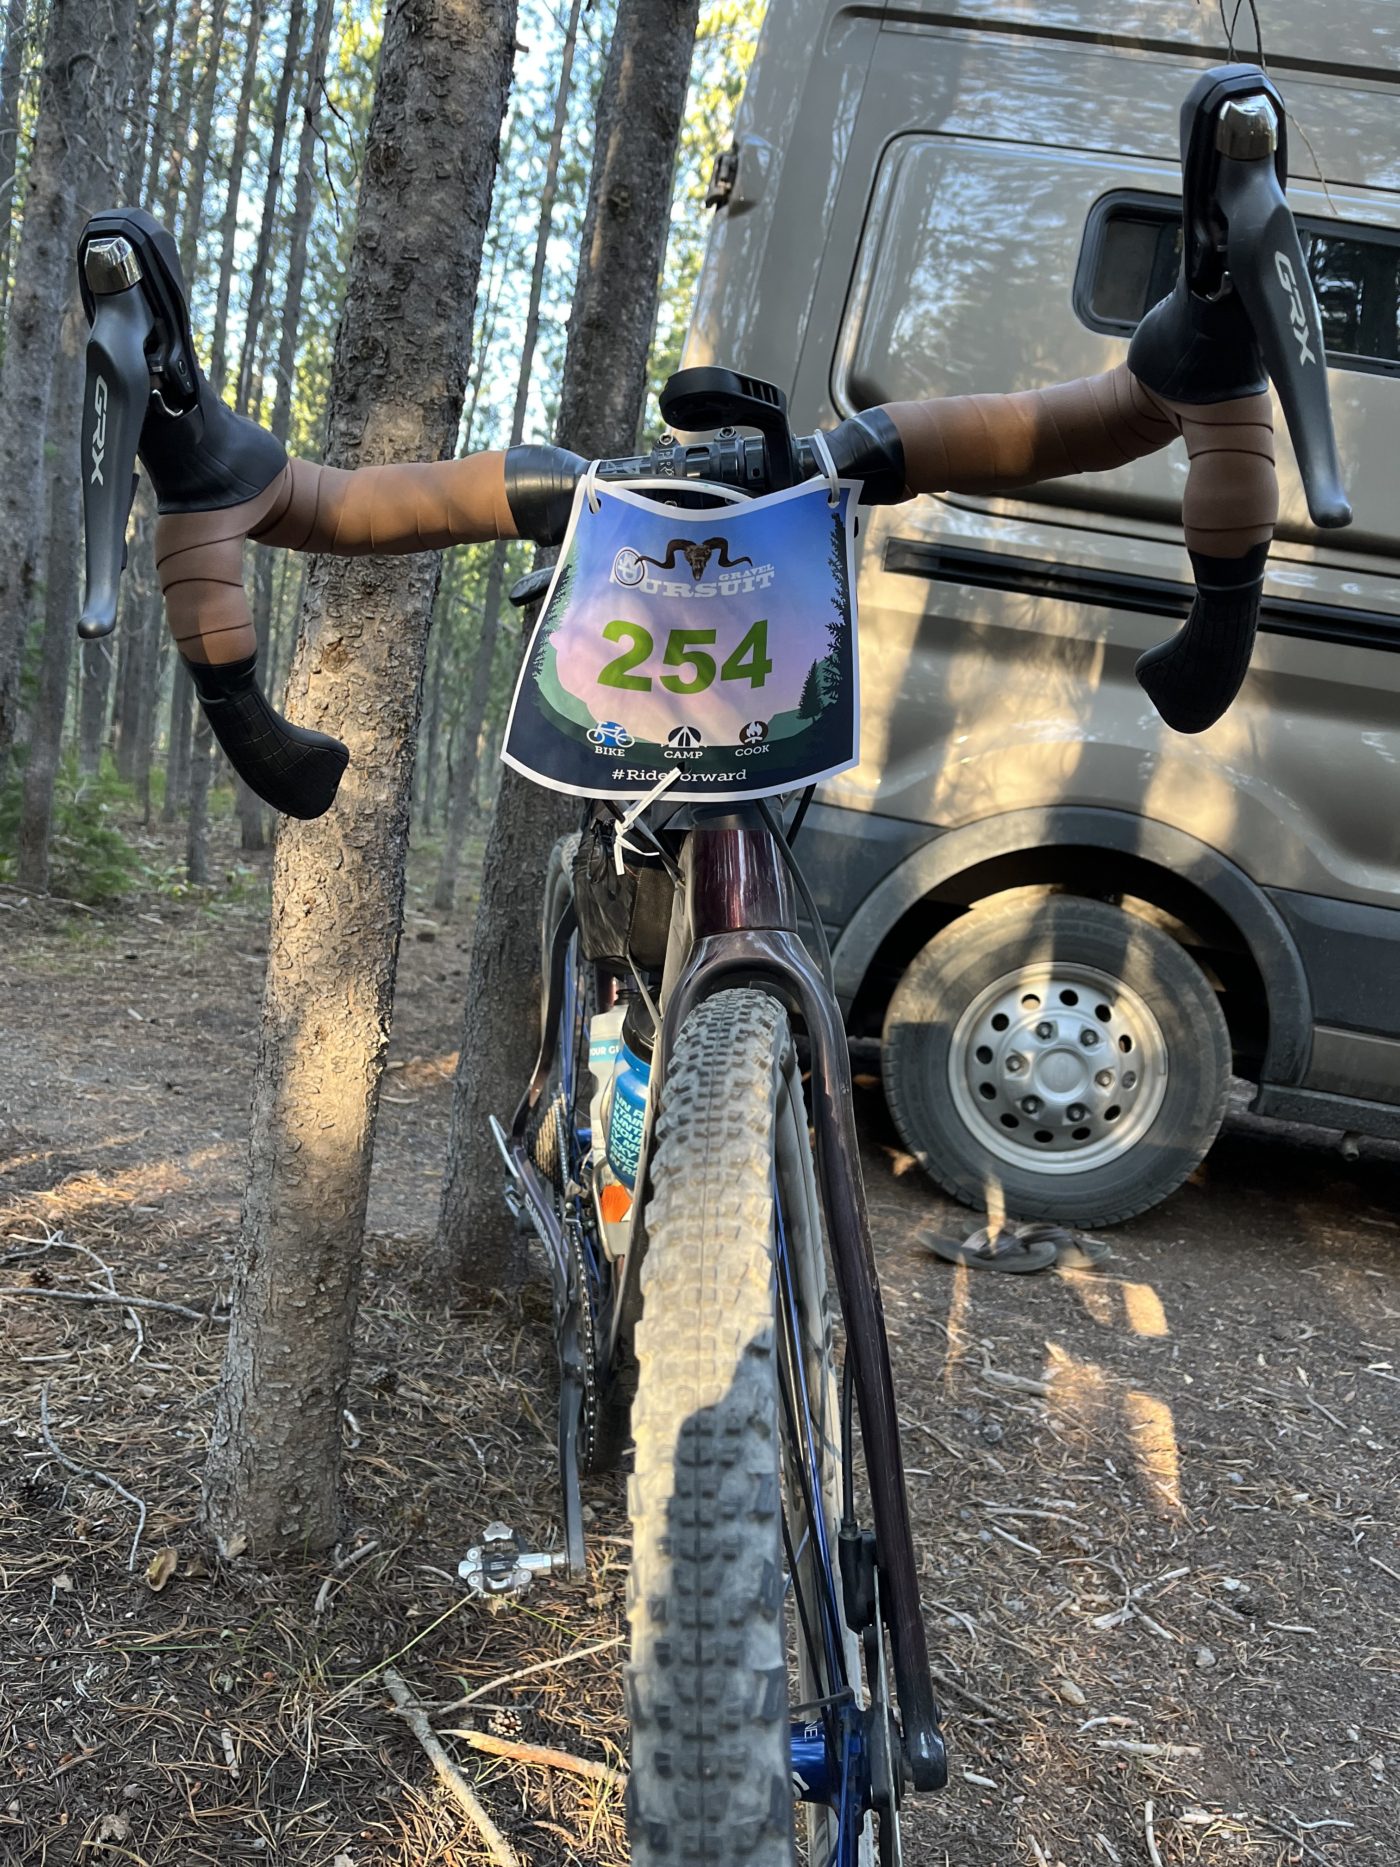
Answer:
(90, 859)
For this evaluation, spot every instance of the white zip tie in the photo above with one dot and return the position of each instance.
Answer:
(828, 467)
(629, 817)
(590, 486)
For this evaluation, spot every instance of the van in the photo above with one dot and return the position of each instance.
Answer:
(1070, 926)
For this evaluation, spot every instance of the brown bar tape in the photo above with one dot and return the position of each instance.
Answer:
(425, 506)
(1000, 443)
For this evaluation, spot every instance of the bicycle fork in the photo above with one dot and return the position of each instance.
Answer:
(741, 912)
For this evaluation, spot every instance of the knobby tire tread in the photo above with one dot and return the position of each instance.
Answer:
(707, 1683)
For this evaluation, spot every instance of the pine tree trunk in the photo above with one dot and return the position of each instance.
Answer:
(154, 145)
(61, 605)
(181, 118)
(201, 746)
(192, 220)
(250, 810)
(148, 697)
(138, 107)
(95, 695)
(177, 745)
(228, 226)
(400, 372)
(624, 240)
(464, 778)
(86, 48)
(201, 775)
(426, 773)
(248, 392)
(11, 77)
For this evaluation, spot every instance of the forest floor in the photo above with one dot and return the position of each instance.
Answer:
(1157, 1502)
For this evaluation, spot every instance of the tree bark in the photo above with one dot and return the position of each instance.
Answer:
(86, 47)
(11, 78)
(61, 605)
(464, 778)
(624, 239)
(228, 226)
(153, 144)
(425, 774)
(206, 96)
(201, 742)
(257, 276)
(181, 115)
(250, 810)
(400, 371)
(95, 694)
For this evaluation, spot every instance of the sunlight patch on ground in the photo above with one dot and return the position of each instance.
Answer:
(87, 1193)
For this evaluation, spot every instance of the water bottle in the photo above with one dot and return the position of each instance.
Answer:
(604, 1042)
(626, 1102)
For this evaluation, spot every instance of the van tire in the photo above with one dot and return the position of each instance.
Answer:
(1128, 991)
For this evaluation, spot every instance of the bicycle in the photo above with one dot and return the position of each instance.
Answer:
(774, 1631)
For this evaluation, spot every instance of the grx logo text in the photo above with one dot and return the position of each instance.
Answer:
(99, 432)
(1297, 317)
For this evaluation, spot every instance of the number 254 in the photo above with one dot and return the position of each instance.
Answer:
(685, 648)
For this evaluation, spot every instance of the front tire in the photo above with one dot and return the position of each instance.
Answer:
(709, 1601)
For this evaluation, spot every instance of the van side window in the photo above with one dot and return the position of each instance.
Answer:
(1132, 249)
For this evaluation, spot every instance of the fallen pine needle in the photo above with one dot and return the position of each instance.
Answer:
(528, 1672)
(949, 1684)
(541, 1754)
(447, 1772)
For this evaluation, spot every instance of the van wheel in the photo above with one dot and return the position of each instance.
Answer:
(1059, 1050)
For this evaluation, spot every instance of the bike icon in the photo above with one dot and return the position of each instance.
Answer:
(609, 733)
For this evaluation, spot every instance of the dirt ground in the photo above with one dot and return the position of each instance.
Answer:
(1157, 1502)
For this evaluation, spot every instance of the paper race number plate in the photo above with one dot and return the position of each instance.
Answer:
(718, 644)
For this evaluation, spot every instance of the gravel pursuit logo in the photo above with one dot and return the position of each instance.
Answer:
(731, 576)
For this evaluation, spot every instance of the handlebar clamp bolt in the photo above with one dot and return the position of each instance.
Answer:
(1247, 129)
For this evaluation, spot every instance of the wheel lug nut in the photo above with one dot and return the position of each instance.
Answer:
(1015, 1064)
(1088, 1037)
(1045, 1029)
(1104, 1079)
(1129, 1079)
(1030, 1105)
(1076, 1111)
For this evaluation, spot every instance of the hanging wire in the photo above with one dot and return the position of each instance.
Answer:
(1229, 20)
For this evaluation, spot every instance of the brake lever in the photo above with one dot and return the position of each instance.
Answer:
(1266, 266)
(115, 395)
(1243, 309)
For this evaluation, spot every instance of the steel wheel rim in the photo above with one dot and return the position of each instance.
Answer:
(1058, 1067)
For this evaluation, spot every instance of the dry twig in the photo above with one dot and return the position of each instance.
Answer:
(1150, 1835)
(447, 1772)
(541, 1754)
(103, 1296)
(346, 1562)
(90, 1471)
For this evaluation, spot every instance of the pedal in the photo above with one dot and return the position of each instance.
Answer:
(503, 1564)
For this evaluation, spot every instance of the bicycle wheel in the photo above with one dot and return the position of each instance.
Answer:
(744, 1682)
